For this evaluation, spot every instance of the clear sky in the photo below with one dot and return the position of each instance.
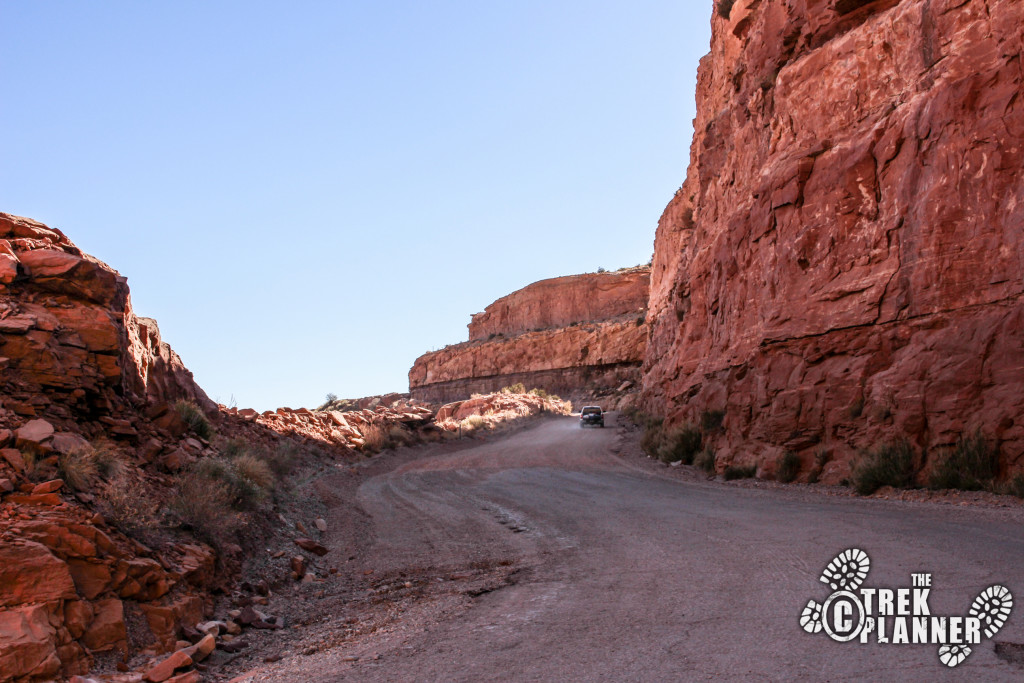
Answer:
(309, 195)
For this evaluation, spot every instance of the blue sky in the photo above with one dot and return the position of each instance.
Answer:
(309, 195)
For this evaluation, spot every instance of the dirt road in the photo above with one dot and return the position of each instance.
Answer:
(585, 565)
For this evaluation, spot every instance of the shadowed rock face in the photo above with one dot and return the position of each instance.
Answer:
(568, 335)
(68, 334)
(842, 266)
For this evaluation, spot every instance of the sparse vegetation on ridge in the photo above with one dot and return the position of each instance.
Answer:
(194, 418)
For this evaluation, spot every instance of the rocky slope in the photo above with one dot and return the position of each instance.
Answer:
(842, 267)
(581, 335)
(129, 500)
(77, 365)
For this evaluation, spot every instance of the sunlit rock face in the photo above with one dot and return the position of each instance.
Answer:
(579, 335)
(842, 266)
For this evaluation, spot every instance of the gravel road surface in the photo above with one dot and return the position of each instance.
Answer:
(583, 564)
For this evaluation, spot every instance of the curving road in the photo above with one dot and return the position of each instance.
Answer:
(618, 572)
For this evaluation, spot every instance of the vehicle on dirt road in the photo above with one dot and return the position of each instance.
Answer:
(591, 415)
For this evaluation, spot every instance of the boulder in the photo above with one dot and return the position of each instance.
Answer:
(92, 577)
(164, 669)
(33, 434)
(14, 458)
(107, 630)
(66, 442)
(30, 573)
(51, 486)
(312, 546)
(27, 643)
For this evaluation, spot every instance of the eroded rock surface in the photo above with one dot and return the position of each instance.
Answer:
(562, 301)
(569, 336)
(842, 266)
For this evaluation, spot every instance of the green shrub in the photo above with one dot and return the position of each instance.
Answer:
(651, 440)
(681, 442)
(1015, 487)
(517, 388)
(244, 493)
(705, 460)
(540, 393)
(788, 467)
(889, 465)
(971, 465)
(821, 458)
(232, 448)
(735, 472)
(194, 418)
(711, 420)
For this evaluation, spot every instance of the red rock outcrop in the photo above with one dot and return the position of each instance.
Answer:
(547, 336)
(562, 301)
(69, 340)
(346, 429)
(842, 266)
(76, 364)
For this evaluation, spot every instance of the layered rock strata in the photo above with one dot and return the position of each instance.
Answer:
(576, 335)
(77, 364)
(842, 266)
(562, 301)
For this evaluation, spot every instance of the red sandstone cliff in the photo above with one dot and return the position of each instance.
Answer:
(70, 342)
(842, 266)
(562, 301)
(574, 335)
(77, 364)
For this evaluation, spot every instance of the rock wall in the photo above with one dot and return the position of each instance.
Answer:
(842, 266)
(69, 340)
(573, 336)
(562, 301)
(77, 364)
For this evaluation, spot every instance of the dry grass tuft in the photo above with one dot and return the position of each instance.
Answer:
(78, 468)
(256, 470)
(194, 417)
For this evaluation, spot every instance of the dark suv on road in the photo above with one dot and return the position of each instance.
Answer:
(591, 415)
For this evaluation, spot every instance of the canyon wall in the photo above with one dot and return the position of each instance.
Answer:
(842, 266)
(575, 336)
